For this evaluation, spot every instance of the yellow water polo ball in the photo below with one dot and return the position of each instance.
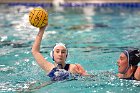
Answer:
(38, 17)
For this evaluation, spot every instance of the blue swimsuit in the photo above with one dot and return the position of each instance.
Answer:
(58, 74)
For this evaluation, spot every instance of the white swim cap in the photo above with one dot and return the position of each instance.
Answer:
(59, 44)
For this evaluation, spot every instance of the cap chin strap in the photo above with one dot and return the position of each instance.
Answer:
(51, 55)
(126, 69)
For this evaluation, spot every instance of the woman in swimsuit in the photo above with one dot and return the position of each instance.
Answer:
(128, 65)
(59, 55)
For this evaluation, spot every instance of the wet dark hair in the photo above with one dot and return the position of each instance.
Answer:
(133, 56)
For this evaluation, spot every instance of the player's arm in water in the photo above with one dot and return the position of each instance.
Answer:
(43, 63)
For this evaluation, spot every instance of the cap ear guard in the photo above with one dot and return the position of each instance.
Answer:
(127, 55)
(51, 55)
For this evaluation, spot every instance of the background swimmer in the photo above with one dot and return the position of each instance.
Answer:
(128, 65)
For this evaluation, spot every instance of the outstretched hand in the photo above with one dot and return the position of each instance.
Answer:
(80, 70)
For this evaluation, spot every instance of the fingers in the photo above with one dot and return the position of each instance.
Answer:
(79, 69)
(43, 28)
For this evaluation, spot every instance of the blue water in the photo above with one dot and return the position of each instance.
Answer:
(94, 36)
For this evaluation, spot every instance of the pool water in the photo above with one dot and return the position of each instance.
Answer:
(95, 36)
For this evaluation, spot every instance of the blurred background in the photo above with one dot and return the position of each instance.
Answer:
(95, 32)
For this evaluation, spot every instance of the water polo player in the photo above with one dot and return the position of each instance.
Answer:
(128, 65)
(59, 70)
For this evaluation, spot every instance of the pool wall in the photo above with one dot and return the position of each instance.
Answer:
(73, 3)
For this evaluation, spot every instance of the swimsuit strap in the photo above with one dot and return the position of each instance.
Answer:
(59, 66)
(133, 75)
(67, 67)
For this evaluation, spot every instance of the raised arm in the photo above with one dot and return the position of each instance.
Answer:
(43, 63)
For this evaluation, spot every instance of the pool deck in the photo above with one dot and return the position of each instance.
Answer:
(70, 1)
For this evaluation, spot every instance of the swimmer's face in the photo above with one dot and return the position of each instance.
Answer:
(122, 63)
(60, 53)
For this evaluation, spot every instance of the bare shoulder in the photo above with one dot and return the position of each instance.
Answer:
(137, 73)
(138, 68)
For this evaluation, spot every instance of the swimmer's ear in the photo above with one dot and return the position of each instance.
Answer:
(51, 54)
